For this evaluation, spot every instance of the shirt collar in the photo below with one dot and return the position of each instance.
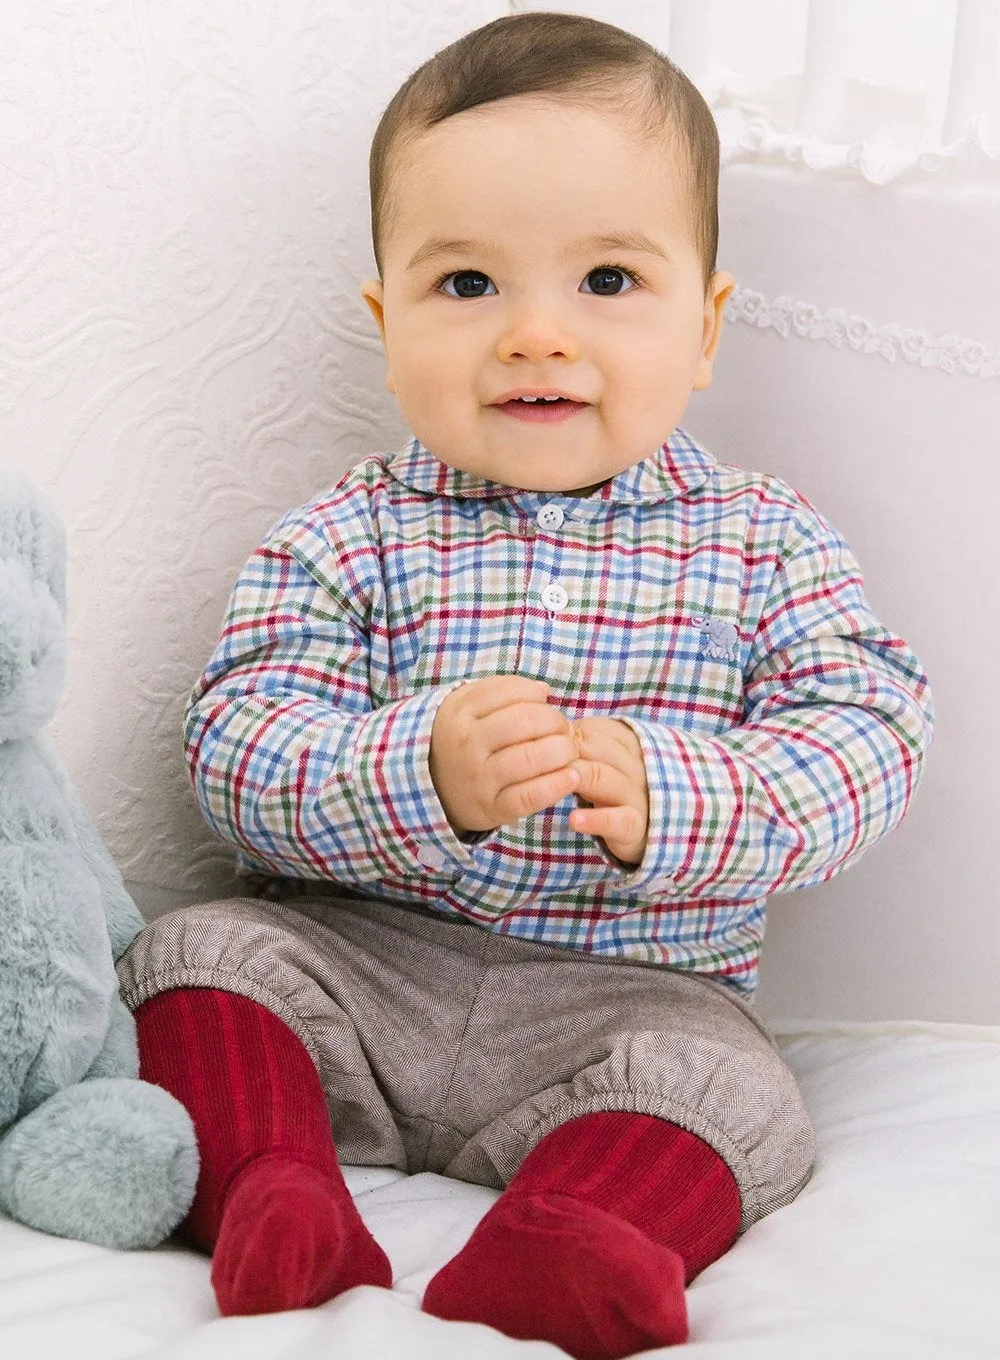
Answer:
(676, 467)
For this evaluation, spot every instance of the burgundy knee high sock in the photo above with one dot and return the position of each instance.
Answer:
(271, 1203)
(593, 1241)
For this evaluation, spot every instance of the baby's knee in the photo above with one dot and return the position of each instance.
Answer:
(741, 1099)
(236, 945)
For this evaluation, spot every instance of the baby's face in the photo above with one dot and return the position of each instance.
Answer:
(501, 277)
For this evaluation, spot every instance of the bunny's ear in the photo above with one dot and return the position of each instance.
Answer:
(30, 532)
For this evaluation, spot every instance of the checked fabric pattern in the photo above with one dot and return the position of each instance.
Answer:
(783, 727)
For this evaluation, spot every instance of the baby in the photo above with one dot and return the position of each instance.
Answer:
(515, 730)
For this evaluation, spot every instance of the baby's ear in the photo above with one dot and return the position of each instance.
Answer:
(374, 294)
(717, 294)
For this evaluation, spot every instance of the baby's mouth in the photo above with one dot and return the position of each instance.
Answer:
(540, 412)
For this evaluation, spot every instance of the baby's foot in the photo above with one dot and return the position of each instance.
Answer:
(547, 1267)
(291, 1238)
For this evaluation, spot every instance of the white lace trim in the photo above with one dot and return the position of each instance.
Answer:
(788, 317)
(755, 140)
(757, 120)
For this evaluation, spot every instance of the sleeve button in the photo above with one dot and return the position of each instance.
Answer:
(431, 857)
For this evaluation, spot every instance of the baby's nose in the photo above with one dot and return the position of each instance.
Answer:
(536, 334)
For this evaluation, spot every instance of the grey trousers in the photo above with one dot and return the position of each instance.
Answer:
(445, 1047)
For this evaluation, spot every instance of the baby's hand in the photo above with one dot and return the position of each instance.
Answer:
(499, 752)
(613, 781)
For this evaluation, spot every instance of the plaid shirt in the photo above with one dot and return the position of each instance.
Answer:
(713, 610)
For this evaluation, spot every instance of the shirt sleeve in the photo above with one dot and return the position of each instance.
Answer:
(290, 759)
(837, 719)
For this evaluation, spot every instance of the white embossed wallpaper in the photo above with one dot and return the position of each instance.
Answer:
(183, 350)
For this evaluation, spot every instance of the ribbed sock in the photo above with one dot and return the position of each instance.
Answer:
(593, 1241)
(271, 1203)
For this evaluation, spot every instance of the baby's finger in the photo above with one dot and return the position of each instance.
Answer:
(521, 800)
(529, 759)
(522, 722)
(481, 697)
(605, 786)
(602, 744)
(616, 728)
(621, 829)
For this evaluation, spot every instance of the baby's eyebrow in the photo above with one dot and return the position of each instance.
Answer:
(635, 241)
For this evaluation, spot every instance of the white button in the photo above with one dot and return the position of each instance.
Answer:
(554, 597)
(661, 885)
(550, 517)
(431, 857)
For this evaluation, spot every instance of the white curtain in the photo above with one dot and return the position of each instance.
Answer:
(905, 76)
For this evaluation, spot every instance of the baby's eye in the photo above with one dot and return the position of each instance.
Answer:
(607, 280)
(469, 283)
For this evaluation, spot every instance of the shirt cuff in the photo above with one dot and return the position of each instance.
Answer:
(412, 833)
(653, 876)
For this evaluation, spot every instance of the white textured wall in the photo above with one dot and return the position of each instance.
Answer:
(902, 457)
(183, 350)
(183, 355)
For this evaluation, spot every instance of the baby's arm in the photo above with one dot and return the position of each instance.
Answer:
(836, 722)
(295, 762)
(290, 759)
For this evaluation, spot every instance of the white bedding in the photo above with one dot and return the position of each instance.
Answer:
(892, 1250)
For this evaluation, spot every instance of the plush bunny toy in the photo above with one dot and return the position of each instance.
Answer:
(86, 1149)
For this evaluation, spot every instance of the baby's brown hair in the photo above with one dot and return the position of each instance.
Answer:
(579, 59)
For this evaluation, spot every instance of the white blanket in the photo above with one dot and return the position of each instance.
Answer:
(892, 1250)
